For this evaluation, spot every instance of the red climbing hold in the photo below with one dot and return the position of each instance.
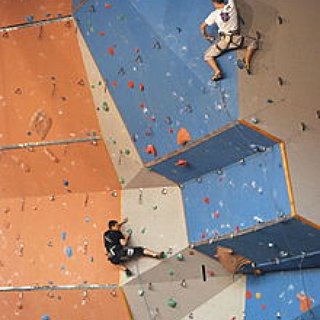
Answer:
(114, 83)
(183, 137)
(131, 84)
(263, 307)
(102, 33)
(141, 87)
(151, 149)
(108, 6)
(142, 106)
(248, 294)
(216, 214)
(206, 200)
(111, 51)
(182, 163)
(171, 131)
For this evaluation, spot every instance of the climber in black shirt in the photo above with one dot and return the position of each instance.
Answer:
(118, 251)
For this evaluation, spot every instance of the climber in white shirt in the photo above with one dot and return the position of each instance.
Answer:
(225, 16)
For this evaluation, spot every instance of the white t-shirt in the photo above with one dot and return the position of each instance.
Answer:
(225, 18)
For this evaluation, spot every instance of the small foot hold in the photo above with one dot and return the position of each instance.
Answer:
(216, 77)
(243, 66)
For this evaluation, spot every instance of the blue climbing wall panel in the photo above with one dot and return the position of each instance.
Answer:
(224, 149)
(151, 58)
(239, 197)
(285, 245)
(284, 295)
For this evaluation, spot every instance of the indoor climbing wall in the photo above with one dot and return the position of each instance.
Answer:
(112, 113)
(58, 184)
(18, 12)
(234, 176)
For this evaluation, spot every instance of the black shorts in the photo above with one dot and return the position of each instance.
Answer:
(133, 252)
(126, 254)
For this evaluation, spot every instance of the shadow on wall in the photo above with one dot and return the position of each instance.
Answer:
(263, 20)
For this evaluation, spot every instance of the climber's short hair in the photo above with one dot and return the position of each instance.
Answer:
(112, 223)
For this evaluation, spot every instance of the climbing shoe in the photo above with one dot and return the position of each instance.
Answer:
(128, 273)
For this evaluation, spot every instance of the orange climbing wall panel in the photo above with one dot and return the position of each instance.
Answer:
(86, 168)
(90, 305)
(46, 76)
(54, 201)
(35, 233)
(16, 11)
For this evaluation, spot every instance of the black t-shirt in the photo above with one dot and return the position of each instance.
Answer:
(112, 239)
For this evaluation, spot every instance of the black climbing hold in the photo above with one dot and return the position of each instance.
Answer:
(121, 72)
(92, 8)
(280, 81)
(139, 59)
(179, 29)
(280, 20)
(303, 126)
(204, 275)
(157, 45)
(270, 101)
(318, 114)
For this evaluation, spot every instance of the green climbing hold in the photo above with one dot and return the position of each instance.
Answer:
(100, 83)
(122, 181)
(141, 292)
(92, 86)
(121, 17)
(127, 152)
(143, 230)
(172, 303)
(105, 106)
(171, 273)
(180, 257)
(129, 231)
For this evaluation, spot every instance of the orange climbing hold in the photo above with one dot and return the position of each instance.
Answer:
(305, 302)
(183, 137)
(206, 200)
(131, 84)
(151, 149)
(111, 51)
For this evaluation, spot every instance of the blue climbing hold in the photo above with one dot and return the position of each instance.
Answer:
(45, 317)
(63, 235)
(69, 252)
(65, 183)
(30, 18)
